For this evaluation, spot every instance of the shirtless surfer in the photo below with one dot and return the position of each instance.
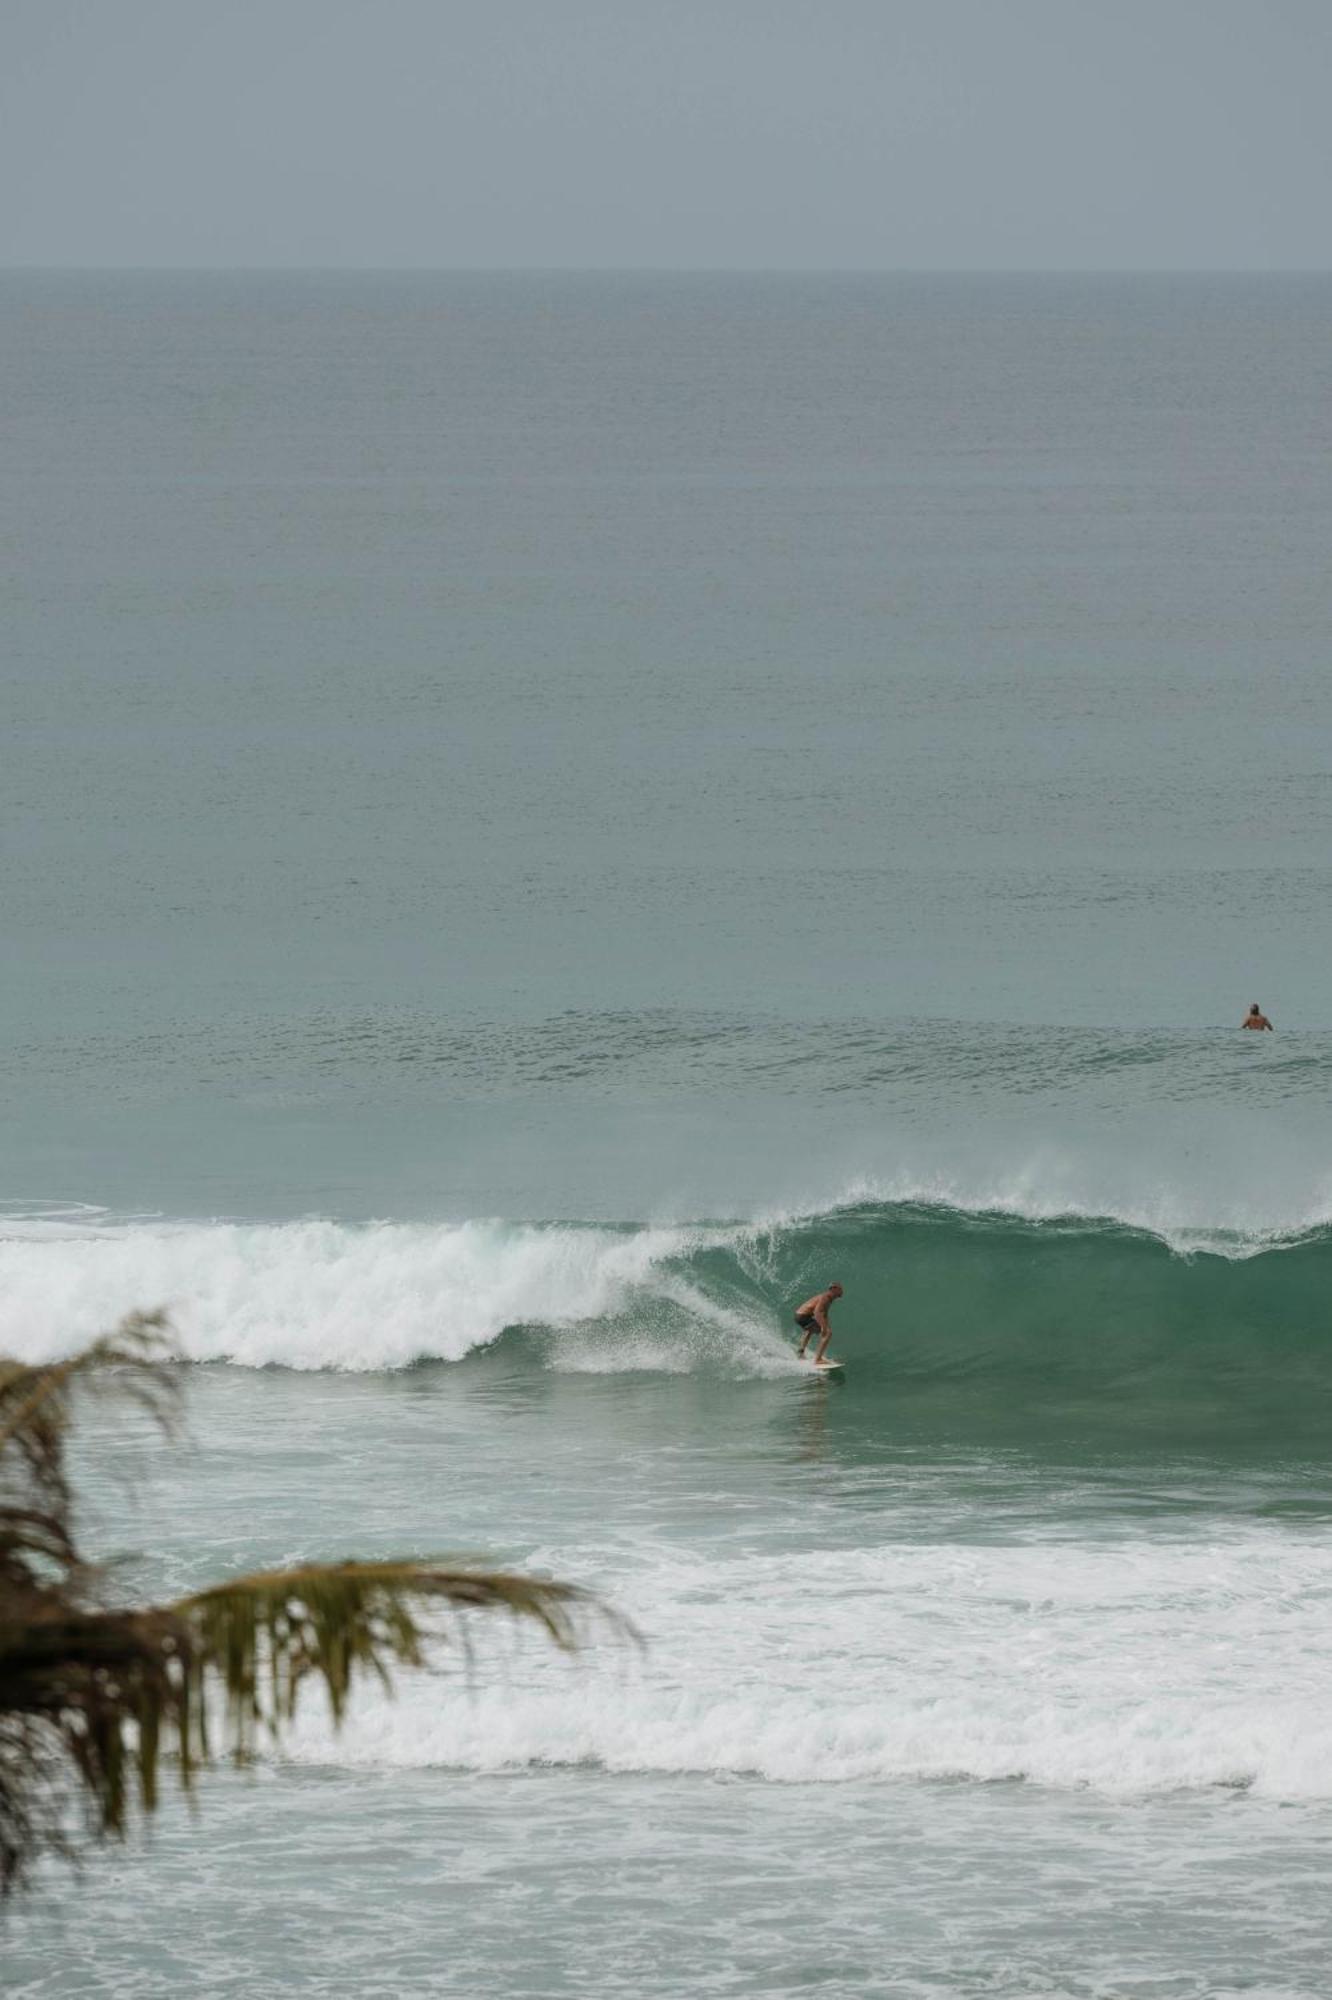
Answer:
(1255, 1018)
(812, 1317)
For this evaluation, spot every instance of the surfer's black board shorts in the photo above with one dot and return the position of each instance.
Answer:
(806, 1322)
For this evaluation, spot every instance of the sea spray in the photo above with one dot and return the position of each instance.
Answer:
(1012, 1305)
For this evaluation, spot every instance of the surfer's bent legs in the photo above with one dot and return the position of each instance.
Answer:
(823, 1328)
(812, 1317)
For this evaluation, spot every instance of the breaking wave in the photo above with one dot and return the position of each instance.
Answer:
(936, 1295)
(1127, 1670)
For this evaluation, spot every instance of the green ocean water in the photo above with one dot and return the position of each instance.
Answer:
(548, 817)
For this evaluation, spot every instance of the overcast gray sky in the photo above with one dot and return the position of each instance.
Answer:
(927, 134)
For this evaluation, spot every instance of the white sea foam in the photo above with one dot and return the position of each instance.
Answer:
(1128, 1670)
(321, 1295)
(1242, 1219)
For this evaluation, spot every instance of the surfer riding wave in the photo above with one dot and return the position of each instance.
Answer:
(812, 1318)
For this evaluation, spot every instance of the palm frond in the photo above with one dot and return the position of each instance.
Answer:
(263, 1637)
(82, 1698)
(93, 1696)
(34, 1401)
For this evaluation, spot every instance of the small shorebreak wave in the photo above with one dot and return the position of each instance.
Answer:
(939, 1298)
(1131, 1668)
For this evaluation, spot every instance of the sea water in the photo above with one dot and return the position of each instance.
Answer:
(547, 818)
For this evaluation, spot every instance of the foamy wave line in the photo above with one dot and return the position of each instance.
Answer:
(325, 1295)
(1185, 1226)
(1127, 1669)
(1157, 1746)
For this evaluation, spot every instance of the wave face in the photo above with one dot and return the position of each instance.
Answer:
(940, 1302)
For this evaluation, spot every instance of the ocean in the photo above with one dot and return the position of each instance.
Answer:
(548, 817)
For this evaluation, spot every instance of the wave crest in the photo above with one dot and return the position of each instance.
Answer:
(935, 1294)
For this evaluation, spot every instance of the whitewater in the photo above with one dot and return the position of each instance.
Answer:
(1134, 1670)
(1072, 1636)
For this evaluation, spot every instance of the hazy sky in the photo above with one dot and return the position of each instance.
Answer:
(747, 133)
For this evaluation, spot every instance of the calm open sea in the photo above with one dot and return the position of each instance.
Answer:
(546, 817)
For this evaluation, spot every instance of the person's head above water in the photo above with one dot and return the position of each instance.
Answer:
(1255, 1009)
(834, 1290)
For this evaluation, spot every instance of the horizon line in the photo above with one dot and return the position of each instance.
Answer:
(683, 270)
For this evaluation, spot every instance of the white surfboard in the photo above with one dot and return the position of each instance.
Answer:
(829, 1365)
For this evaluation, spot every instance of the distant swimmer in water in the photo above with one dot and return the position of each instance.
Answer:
(1255, 1018)
(812, 1317)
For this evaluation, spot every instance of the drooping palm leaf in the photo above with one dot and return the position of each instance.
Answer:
(34, 1401)
(83, 1699)
(262, 1638)
(93, 1695)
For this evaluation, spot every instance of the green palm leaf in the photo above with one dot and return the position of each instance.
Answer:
(93, 1695)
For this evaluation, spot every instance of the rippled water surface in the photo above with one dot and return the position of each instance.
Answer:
(547, 818)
